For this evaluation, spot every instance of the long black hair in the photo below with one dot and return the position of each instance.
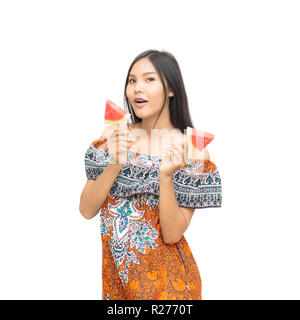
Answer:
(167, 67)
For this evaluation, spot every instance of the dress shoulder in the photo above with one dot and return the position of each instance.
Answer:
(96, 159)
(198, 185)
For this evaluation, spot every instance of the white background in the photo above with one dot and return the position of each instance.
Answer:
(59, 63)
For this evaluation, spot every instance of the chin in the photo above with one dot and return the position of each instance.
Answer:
(140, 113)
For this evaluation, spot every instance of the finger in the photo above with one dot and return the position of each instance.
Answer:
(125, 145)
(121, 138)
(167, 154)
(179, 155)
(166, 150)
(123, 127)
(123, 132)
(113, 139)
(120, 129)
(180, 149)
(177, 147)
(175, 150)
(126, 142)
(184, 157)
(172, 155)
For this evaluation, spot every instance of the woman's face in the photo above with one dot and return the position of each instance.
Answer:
(144, 82)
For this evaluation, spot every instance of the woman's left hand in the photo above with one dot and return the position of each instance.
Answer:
(172, 160)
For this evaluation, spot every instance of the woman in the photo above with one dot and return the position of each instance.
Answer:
(146, 203)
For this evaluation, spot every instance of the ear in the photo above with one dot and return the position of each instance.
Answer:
(171, 94)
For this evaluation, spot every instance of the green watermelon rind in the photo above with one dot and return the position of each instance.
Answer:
(124, 119)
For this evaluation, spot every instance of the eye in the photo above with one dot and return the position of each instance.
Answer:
(129, 81)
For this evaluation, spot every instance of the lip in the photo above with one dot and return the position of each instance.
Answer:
(139, 98)
(141, 105)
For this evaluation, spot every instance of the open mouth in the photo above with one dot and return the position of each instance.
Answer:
(140, 102)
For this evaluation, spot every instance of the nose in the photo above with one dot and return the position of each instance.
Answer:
(138, 87)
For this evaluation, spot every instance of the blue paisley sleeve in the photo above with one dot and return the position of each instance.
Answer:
(198, 185)
(96, 159)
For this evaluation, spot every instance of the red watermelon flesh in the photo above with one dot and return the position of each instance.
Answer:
(197, 140)
(114, 114)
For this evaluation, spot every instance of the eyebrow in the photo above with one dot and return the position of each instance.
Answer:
(143, 73)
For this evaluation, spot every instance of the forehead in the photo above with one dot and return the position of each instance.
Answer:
(142, 66)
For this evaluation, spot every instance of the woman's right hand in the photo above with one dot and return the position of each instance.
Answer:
(118, 143)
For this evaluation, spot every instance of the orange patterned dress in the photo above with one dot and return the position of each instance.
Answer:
(136, 263)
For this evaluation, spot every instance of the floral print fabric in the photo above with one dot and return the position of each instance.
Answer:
(136, 263)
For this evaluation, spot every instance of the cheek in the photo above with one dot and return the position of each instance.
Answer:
(128, 91)
(157, 94)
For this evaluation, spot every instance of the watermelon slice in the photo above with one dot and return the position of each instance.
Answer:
(114, 114)
(197, 140)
